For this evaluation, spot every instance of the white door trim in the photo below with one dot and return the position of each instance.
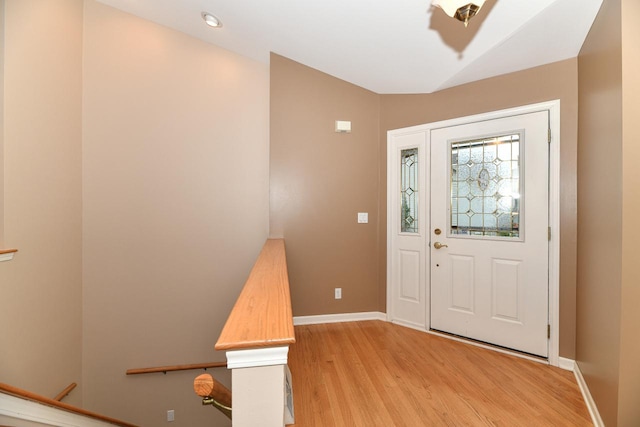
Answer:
(553, 107)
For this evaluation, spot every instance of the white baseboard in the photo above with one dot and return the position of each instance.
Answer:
(588, 399)
(336, 318)
(22, 409)
(567, 364)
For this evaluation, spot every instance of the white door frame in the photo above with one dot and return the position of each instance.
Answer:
(553, 107)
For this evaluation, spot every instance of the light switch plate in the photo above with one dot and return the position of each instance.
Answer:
(363, 217)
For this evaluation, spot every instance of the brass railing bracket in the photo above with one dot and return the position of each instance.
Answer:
(211, 401)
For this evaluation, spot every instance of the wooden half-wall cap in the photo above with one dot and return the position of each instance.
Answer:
(7, 254)
(262, 316)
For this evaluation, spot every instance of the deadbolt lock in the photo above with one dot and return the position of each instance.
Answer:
(437, 231)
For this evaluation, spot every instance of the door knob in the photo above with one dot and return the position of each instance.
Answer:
(439, 245)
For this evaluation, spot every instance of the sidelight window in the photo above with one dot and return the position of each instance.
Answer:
(409, 190)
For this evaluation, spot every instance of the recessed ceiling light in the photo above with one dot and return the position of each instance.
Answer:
(211, 20)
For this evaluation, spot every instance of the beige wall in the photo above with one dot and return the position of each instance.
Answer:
(41, 294)
(175, 160)
(320, 180)
(629, 388)
(599, 209)
(554, 81)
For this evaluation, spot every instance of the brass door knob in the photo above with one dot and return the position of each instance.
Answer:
(439, 245)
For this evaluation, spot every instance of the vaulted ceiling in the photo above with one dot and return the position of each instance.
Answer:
(386, 46)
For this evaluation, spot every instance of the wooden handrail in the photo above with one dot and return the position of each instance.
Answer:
(165, 369)
(262, 315)
(24, 394)
(7, 254)
(213, 393)
(64, 393)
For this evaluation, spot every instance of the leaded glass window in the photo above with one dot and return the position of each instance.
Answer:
(409, 190)
(486, 187)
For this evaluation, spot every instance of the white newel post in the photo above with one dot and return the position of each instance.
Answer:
(261, 384)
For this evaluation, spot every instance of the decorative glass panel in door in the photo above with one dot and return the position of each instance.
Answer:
(409, 190)
(486, 187)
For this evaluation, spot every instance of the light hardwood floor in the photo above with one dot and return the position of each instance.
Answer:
(375, 373)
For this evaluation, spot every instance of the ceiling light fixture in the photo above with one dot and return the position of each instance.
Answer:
(462, 10)
(211, 20)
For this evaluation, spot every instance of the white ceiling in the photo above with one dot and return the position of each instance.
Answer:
(387, 46)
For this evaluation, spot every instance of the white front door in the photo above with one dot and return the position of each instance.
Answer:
(468, 225)
(489, 231)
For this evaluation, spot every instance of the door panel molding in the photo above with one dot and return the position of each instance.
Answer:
(462, 292)
(507, 297)
(410, 275)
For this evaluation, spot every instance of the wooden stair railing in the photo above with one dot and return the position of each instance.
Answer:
(165, 369)
(64, 393)
(27, 395)
(213, 393)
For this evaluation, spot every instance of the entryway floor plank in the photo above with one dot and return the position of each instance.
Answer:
(375, 373)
